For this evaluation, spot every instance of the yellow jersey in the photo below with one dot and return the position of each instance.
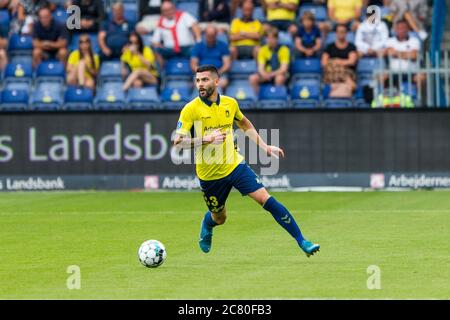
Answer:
(135, 63)
(252, 26)
(265, 56)
(75, 58)
(281, 13)
(213, 161)
(344, 10)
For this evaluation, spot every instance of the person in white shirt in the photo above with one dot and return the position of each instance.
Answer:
(403, 53)
(176, 33)
(371, 37)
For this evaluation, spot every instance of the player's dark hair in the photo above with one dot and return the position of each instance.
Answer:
(208, 67)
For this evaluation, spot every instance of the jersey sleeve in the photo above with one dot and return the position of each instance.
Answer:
(238, 115)
(185, 122)
(284, 55)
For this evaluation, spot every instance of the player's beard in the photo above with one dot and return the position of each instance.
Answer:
(207, 92)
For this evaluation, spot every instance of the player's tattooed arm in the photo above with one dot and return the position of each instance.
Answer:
(186, 142)
(250, 131)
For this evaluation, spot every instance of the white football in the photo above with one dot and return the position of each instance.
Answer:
(152, 253)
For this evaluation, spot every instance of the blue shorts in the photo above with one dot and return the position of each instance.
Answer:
(215, 192)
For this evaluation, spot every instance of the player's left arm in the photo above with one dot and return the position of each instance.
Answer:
(245, 125)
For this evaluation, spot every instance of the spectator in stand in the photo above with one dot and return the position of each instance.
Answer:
(308, 41)
(149, 13)
(114, 34)
(340, 81)
(27, 13)
(371, 37)
(176, 34)
(83, 65)
(281, 14)
(414, 12)
(92, 14)
(3, 48)
(402, 52)
(214, 52)
(140, 61)
(340, 52)
(245, 34)
(346, 12)
(49, 38)
(216, 12)
(273, 62)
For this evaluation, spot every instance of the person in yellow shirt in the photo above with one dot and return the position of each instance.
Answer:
(140, 60)
(219, 165)
(83, 65)
(281, 14)
(273, 63)
(245, 34)
(346, 12)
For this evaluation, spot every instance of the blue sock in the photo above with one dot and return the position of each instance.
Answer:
(208, 221)
(284, 218)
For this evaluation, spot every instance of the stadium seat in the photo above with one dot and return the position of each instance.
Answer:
(47, 97)
(338, 103)
(14, 100)
(306, 68)
(358, 98)
(143, 98)
(110, 97)
(242, 69)
(319, 12)
(5, 20)
(191, 7)
(175, 98)
(178, 84)
(20, 45)
(131, 12)
(24, 59)
(243, 93)
(18, 72)
(94, 42)
(110, 71)
(273, 97)
(178, 69)
(366, 67)
(258, 14)
(285, 38)
(78, 99)
(331, 37)
(51, 70)
(60, 15)
(13, 85)
(305, 95)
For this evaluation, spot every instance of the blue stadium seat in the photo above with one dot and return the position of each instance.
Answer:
(20, 45)
(243, 93)
(131, 12)
(338, 103)
(5, 20)
(110, 97)
(366, 67)
(178, 84)
(47, 97)
(305, 95)
(24, 59)
(258, 14)
(242, 69)
(319, 12)
(306, 68)
(110, 71)
(13, 85)
(18, 72)
(143, 98)
(60, 15)
(78, 99)
(178, 69)
(94, 42)
(358, 98)
(51, 70)
(331, 37)
(273, 97)
(175, 98)
(14, 100)
(191, 7)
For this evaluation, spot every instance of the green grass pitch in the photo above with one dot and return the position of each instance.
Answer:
(405, 234)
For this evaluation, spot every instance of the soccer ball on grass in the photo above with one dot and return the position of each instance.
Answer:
(152, 253)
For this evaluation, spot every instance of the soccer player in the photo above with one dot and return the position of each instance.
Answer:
(219, 166)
